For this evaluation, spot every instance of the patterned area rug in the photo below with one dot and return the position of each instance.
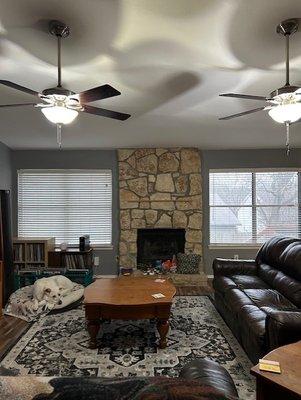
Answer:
(58, 346)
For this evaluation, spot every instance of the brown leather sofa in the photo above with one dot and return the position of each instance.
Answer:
(200, 379)
(260, 300)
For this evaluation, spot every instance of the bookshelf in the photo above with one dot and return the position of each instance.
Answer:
(31, 253)
(71, 258)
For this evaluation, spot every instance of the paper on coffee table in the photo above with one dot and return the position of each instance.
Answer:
(158, 295)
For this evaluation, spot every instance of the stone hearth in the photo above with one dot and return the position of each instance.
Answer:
(159, 188)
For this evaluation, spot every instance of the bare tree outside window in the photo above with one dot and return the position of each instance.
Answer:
(277, 204)
(251, 207)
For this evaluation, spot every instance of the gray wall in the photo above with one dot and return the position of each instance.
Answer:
(214, 159)
(107, 159)
(5, 167)
(74, 159)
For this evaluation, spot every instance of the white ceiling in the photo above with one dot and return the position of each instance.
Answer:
(169, 58)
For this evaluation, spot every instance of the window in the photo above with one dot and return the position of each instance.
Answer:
(65, 204)
(250, 207)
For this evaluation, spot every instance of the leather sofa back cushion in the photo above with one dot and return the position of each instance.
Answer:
(283, 254)
(288, 287)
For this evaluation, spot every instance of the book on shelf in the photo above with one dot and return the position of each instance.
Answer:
(74, 261)
(18, 252)
(35, 252)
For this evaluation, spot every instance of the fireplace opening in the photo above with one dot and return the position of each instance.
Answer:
(158, 244)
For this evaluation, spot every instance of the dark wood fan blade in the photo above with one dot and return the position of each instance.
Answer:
(17, 105)
(18, 87)
(97, 93)
(244, 96)
(242, 113)
(105, 113)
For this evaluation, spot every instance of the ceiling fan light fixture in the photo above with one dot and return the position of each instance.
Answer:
(59, 114)
(286, 113)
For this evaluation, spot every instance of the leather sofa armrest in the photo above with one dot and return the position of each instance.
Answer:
(225, 267)
(210, 373)
(283, 327)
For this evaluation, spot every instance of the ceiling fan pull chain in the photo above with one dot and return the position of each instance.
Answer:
(59, 135)
(287, 144)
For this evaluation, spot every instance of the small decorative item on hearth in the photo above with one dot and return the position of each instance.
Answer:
(166, 265)
(188, 263)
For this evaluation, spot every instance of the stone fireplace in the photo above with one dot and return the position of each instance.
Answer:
(159, 188)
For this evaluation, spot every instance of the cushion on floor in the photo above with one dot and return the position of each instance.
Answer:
(20, 303)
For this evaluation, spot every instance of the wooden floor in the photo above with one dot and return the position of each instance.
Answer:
(194, 290)
(10, 330)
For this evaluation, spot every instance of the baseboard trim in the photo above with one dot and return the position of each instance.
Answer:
(104, 276)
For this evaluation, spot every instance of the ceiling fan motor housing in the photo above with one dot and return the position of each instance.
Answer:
(288, 27)
(57, 91)
(284, 90)
(58, 28)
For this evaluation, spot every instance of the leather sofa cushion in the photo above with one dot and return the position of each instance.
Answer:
(289, 287)
(283, 254)
(223, 283)
(254, 318)
(270, 252)
(249, 282)
(208, 372)
(269, 298)
(236, 299)
(267, 273)
(291, 260)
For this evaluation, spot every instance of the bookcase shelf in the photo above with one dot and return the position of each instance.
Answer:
(71, 259)
(31, 252)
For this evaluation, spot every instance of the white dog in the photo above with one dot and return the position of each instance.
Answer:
(49, 291)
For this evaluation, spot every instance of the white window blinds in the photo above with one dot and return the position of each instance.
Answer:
(66, 204)
(251, 207)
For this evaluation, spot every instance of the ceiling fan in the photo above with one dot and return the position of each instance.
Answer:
(283, 104)
(60, 105)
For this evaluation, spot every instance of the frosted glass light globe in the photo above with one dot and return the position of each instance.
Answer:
(286, 113)
(59, 115)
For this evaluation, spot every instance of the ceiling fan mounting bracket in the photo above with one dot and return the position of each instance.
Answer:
(59, 29)
(288, 27)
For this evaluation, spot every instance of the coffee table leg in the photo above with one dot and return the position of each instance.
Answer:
(93, 326)
(163, 327)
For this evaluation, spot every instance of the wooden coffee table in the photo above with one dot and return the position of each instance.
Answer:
(284, 386)
(127, 298)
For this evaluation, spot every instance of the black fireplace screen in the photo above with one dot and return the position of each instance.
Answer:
(158, 244)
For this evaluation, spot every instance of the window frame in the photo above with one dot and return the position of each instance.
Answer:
(108, 246)
(253, 171)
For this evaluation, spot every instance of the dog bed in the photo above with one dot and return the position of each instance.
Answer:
(20, 303)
